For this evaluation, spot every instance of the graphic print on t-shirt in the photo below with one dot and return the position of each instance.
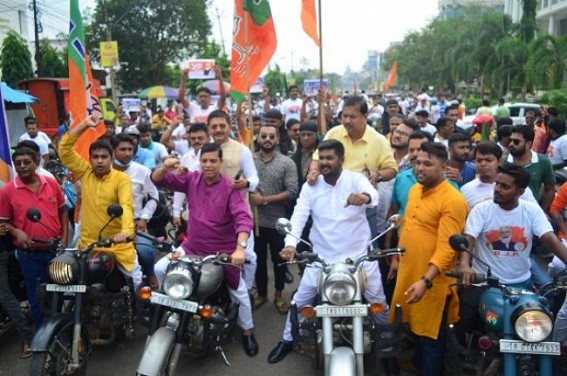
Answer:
(507, 241)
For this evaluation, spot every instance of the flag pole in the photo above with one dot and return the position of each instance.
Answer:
(322, 111)
(255, 213)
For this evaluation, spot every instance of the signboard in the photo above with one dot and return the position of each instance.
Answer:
(258, 86)
(109, 54)
(131, 105)
(311, 87)
(201, 69)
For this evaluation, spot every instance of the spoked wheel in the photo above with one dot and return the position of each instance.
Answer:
(56, 361)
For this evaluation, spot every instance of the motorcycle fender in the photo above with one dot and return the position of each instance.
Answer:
(156, 354)
(342, 362)
(48, 329)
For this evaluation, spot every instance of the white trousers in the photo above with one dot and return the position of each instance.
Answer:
(239, 295)
(136, 273)
(307, 291)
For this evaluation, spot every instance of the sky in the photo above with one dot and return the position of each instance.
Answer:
(350, 28)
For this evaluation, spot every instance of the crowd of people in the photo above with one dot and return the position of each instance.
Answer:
(235, 169)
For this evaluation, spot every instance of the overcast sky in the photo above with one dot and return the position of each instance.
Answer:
(350, 28)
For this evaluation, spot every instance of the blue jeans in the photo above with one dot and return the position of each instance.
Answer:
(34, 268)
(430, 353)
(10, 304)
(146, 255)
(539, 276)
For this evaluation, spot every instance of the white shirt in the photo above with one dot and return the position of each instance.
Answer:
(291, 109)
(557, 150)
(476, 192)
(178, 132)
(199, 115)
(190, 160)
(504, 238)
(40, 134)
(142, 188)
(429, 128)
(337, 232)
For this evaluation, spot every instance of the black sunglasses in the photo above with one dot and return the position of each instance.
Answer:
(515, 141)
(271, 136)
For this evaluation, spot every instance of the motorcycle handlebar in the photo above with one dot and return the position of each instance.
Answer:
(477, 277)
(160, 243)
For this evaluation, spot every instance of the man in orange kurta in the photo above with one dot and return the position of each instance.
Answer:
(435, 211)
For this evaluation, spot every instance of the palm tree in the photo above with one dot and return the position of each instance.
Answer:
(547, 62)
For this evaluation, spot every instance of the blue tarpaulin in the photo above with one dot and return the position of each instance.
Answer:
(15, 96)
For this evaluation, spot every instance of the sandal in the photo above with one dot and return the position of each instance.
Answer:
(281, 306)
(259, 301)
(26, 351)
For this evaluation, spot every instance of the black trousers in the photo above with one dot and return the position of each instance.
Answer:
(275, 240)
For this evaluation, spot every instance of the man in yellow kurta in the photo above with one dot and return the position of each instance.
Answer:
(434, 212)
(101, 186)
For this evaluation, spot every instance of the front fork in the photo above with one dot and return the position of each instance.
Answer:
(357, 342)
(77, 332)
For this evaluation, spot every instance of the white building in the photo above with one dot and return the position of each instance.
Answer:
(14, 16)
(449, 8)
(551, 15)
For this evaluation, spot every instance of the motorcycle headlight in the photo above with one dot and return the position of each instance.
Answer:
(63, 269)
(339, 288)
(178, 284)
(532, 324)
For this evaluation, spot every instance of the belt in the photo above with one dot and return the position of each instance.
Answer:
(31, 251)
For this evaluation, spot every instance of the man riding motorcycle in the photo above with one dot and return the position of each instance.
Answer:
(219, 222)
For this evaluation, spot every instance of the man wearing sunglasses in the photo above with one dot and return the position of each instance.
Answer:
(278, 186)
(538, 165)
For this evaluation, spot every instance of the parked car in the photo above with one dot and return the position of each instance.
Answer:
(517, 113)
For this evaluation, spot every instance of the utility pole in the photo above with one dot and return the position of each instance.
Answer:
(36, 34)
(220, 28)
(109, 38)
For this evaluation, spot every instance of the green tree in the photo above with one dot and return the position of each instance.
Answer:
(528, 24)
(150, 34)
(51, 63)
(547, 63)
(275, 81)
(15, 59)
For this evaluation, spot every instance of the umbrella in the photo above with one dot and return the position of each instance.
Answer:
(214, 86)
(16, 96)
(158, 92)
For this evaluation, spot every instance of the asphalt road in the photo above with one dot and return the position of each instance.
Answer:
(122, 357)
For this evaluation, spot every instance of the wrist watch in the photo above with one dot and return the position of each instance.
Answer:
(379, 177)
(367, 195)
(427, 281)
(243, 245)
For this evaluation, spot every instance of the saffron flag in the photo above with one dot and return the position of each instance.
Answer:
(309, 20)
(5, 155)
(83, 101)
(251, 53)
(392, 77)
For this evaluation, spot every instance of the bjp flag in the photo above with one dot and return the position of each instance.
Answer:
(250, 53)
(392, 77)
(5, 156)
(83, 101)
(309, 20)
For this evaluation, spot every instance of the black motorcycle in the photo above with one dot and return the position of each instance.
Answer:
(90, 302)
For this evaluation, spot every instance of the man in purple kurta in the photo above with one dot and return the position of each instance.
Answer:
(219, 222)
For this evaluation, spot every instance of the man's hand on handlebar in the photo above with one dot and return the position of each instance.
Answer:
(238, 257)
(288, 253)
(467, 273)
(121, 238)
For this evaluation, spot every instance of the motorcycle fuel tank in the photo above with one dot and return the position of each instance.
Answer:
(211, 280)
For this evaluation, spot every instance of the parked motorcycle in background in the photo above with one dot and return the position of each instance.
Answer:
(338, 330)
(518, 325)
(90, 302)
(192, 310)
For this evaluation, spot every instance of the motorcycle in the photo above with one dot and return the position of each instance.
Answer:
(18, 288)
(338, 330)
(90, 302)
(518, 325)
(192, 309)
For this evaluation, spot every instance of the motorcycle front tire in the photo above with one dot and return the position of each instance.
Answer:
(53, 362)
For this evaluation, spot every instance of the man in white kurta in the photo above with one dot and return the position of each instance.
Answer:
(337, 203)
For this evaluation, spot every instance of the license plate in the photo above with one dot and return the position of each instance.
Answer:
(542, 348)
(344, 311)
(65, 288)
(183, 305)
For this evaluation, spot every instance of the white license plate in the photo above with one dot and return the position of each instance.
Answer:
(344, 311)
(541, 348)
(183, 305)
(65, 288)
